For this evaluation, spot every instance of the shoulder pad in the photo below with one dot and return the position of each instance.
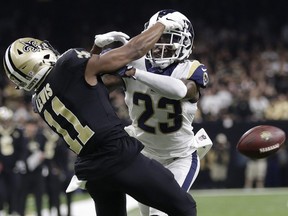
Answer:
(199, 74)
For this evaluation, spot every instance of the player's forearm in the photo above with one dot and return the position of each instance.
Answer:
(145, 41)
(166, 86)
(137, 47)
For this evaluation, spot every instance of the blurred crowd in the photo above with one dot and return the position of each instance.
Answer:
(33, 161)
(247, 63)
(248, 73)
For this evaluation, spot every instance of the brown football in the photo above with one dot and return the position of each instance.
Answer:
(261, 141)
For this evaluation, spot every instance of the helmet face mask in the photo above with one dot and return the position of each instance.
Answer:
(27, 61)
(174, 45)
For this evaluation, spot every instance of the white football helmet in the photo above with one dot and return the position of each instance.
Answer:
(6, 114)
(174, 45)
(27, 61)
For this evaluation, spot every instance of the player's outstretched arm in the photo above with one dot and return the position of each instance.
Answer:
(134, 49)
(166, 86)
(137, 47)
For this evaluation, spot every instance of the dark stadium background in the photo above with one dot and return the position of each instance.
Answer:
(70, 23)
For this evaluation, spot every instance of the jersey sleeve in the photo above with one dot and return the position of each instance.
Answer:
(199, 74)
(139, 63)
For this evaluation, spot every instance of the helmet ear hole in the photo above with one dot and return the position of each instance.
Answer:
(47, 56)
(19, 52)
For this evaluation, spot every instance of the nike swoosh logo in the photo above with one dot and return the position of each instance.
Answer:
(204, 69)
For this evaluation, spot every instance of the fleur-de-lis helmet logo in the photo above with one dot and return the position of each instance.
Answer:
(30, 46)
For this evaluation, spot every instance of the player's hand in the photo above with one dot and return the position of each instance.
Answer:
(102, 40)
(127, 71)
(172, 21)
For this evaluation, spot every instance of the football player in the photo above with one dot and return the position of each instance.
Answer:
(32, 181)
(73, 101)
(11, 141)
(162, 109)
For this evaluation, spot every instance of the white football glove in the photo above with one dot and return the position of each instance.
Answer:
(102, 40)
(172, 21)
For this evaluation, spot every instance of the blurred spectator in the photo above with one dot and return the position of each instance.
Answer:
(11, 96)
(219, 158)
(53, 170)
(240, 107)
(11, 143)
(59, 161)
(255, 173)
(258, 104)
(33, 156)
(21, 114)
(278, 108)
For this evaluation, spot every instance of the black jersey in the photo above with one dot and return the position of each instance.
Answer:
(80, 113)
(11, 145)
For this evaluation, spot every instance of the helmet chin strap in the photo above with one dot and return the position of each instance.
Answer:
(162, 65)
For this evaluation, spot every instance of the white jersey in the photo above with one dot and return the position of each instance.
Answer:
(163, 125)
